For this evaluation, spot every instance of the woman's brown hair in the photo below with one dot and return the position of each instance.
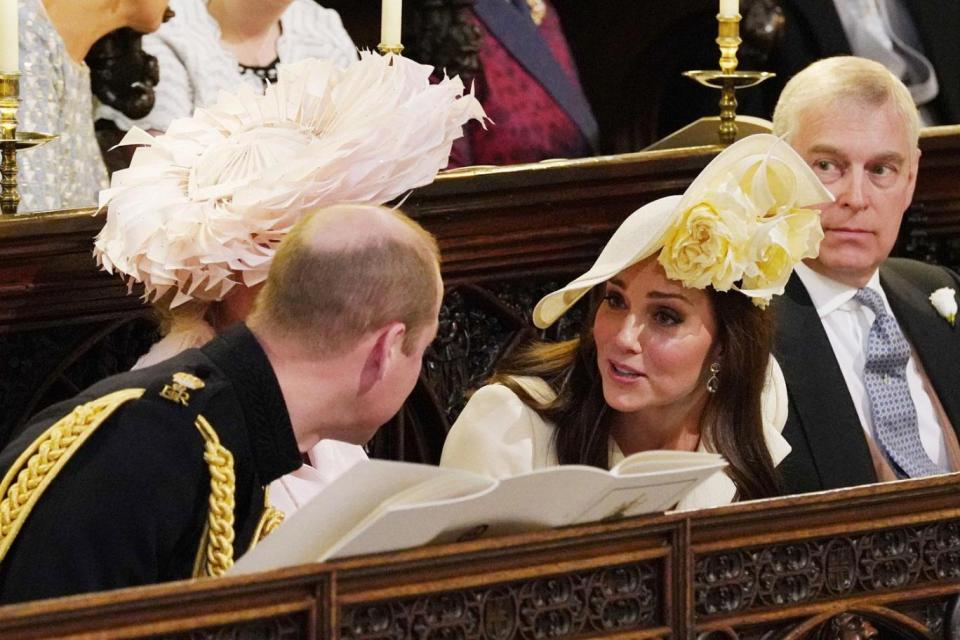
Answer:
(731, 424)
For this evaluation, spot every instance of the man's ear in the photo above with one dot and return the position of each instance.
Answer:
(386, 348)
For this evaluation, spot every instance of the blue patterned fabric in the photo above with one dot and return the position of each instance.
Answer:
(885, 377)
(55, 97)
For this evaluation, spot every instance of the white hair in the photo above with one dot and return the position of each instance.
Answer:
(831, 81)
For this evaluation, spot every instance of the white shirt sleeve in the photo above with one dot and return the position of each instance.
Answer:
(329, 459)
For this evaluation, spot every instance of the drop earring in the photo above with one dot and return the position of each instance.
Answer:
(713, 382)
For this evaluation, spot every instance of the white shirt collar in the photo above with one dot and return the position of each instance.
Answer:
(827, 294)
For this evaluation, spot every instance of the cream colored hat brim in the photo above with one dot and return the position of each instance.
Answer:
(642, 233)
(649, 222)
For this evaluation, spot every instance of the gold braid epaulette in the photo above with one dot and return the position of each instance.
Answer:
(39, 464)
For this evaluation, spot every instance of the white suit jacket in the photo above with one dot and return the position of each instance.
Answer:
(498, 435)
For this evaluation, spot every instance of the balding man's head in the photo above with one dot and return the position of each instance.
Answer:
(346, 270)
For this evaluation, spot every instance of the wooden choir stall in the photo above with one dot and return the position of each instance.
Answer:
(880, 561)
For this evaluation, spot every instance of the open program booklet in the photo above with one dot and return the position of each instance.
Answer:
(381, 506)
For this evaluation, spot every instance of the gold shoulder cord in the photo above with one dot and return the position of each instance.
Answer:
(269, 521)
(215, 554)
(39, 464)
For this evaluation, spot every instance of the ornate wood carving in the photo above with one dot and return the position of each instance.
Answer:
(813, 570)
(726, 634)
(929, 230)
(605, 600)
(925, 236)
(480, 325)
(42, 367)
(951, 620)
(929, 614)
(847, 626)
(635, 578)
(867, 623)
(475, 330)
(279, 628)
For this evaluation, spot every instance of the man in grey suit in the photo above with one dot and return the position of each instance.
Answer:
(870, 363)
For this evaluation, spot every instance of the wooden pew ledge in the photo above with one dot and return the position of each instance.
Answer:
(880, 548)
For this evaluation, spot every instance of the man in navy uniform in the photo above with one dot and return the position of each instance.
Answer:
(159, 474)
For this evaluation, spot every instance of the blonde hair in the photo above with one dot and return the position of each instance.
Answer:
(828, 82)
(326, 289)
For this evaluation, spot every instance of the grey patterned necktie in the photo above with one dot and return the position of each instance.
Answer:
(885, 377)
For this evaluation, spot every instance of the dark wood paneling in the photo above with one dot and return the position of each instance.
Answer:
(883, 557)
(508, 236)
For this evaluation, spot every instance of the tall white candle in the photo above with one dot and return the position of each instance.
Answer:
(9, 42)
(729, 8)
(390, 16)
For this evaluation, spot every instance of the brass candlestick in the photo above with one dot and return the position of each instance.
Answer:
(11, 140)
(395, 49)
(728, 79)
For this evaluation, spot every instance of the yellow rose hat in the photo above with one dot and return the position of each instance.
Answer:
(742, 224)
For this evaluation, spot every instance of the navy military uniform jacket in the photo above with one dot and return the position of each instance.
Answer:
(129, 508)
(829, 447)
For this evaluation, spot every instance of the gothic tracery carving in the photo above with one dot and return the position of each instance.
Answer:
(607, 599)
(813, 570)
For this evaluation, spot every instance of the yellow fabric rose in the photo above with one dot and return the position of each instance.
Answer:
(707, 244)
(744, 232)
(779, 243)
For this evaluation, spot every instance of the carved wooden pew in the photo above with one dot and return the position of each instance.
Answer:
(845, 564)
(776, 569)
(508, 235)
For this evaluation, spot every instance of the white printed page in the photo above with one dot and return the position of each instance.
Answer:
(667, 460)
(309, 534)
(540, 499)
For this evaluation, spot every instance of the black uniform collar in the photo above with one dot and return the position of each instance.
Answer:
(238, 354)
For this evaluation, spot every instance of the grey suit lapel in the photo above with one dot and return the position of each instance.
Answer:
(827, 418)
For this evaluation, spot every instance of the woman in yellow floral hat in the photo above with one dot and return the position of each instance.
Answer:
(676, 353)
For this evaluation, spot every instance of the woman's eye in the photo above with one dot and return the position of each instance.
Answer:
(614, 300)
(667, 317)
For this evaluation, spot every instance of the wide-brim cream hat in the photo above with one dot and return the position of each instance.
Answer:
(743, 223)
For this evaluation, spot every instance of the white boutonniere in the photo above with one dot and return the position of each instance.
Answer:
(944, 300)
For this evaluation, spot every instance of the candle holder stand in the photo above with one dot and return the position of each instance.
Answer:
(394, 49)
(728, 79)
(11, 141)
